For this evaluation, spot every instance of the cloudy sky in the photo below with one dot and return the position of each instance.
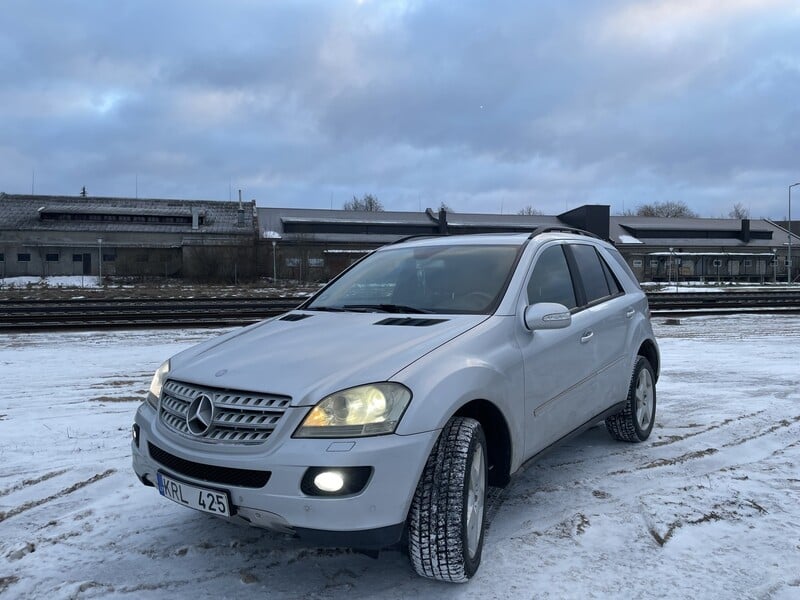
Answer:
(486, 106)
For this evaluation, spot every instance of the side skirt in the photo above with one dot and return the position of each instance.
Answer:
(577, 431)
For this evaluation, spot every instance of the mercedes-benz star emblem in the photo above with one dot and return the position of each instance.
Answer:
(200, 415)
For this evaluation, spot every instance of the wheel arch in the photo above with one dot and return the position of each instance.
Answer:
(649, 350)
(498, 438)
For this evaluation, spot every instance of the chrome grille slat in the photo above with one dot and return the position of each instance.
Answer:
(239, 417)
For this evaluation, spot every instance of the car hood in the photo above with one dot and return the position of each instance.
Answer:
(322, 353)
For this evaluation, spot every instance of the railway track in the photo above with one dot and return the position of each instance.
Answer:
(26, 315)
(710, 303)
(43, 315)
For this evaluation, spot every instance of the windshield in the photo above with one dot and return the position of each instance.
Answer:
(426, 279)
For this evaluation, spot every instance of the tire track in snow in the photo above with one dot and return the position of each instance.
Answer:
(73, 488)
(782, 424)
(28, 482)
(671, 439)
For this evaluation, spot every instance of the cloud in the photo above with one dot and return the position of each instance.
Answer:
(307, 102)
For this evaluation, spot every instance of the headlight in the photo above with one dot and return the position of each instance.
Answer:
(154, 393)
(360, 411)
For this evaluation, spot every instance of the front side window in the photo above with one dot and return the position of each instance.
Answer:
(551, 280)
(435, 279)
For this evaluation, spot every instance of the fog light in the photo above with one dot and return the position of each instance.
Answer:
(135, 434)
(329, 481)
(334, 481)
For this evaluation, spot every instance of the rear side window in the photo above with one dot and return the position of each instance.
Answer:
(621, 262)
(613, 285)
(592, 272)
(551, 280)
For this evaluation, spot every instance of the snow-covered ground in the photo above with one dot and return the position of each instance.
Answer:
(699, 286)
(67, 281)
(709, 507)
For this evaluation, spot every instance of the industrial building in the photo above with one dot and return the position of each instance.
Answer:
(229, 241)
(316, 244)
(69, 235)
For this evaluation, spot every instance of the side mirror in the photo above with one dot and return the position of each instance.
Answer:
(547, 315)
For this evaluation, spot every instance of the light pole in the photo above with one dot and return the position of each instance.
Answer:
(669, 270)
(273, 236)
(774, 265)
(789, 254)
(100, 257)
(274, 260)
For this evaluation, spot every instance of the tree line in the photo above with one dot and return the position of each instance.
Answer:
(668, 208)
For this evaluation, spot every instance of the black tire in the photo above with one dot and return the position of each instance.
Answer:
(635, 422)
(441, 543)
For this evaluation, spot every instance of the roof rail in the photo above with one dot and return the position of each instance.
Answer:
(551, 229)
(416, 236)
(536, 231)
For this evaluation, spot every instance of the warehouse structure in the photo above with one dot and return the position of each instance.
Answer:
(316, 244)
(63, 235)
(214, 240)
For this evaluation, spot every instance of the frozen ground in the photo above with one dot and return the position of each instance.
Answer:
(67, 281)
(709, 507)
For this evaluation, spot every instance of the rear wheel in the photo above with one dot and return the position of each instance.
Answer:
(635, 422)
(446, 520)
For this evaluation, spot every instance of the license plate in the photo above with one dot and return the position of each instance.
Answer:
(215, 502)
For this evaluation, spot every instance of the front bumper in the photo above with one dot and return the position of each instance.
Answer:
(373, 517)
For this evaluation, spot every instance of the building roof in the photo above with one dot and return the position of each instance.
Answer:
(102, 214)
(696, 232)
(381, 227)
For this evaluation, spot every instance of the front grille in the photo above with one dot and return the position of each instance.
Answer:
(238, 477)
(239, 417)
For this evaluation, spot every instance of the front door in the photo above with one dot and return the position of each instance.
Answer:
(556, 362)
(87, 264)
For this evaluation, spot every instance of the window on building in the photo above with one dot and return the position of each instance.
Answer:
(23, 257)
(51, 257)
(637, 262)
(2, 257)
(77, 258)
(316, 262)
(653, 264)
(292, 261)
(109, 257)
(748, 263)
(717, 262)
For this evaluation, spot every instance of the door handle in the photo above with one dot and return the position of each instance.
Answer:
(630, 313)
(587, 336)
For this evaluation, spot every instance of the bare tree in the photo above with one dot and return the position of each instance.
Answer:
(739, 211)
(367, 203)
(529, 210)
(669, 208)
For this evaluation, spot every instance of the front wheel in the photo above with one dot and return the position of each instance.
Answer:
(635, 422)
(446, 520)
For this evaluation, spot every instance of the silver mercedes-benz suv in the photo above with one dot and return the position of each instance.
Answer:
(382, 408)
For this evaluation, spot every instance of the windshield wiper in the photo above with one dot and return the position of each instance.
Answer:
(388, 308)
